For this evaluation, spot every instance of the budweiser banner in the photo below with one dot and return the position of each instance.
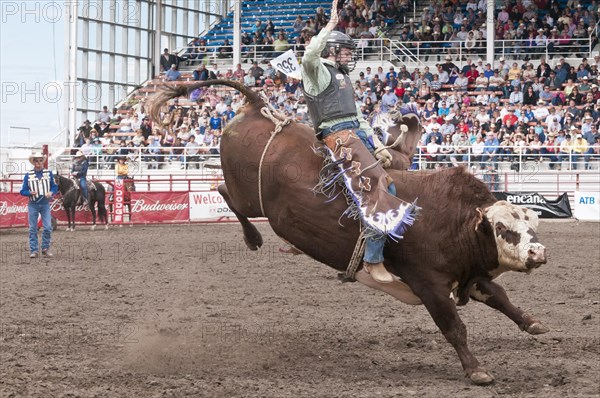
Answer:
(13, 210)
(159, 207)
(208, 206)
(545, 208)
(82, 214)
(146, 207)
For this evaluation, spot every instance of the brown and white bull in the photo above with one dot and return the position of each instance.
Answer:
(462, 240)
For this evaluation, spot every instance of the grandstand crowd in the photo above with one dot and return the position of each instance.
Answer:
(471, 111)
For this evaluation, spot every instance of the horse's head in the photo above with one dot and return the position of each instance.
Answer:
(400, 129)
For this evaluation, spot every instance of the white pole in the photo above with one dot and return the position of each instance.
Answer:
(72, 9)
(490, 32)
(158, 18)
(237, 36)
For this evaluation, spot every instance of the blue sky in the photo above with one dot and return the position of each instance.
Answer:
(31, 69)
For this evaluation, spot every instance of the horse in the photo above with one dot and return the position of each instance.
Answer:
(455, 248)
(71, 196)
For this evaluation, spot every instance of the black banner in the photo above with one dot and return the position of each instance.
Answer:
(559, 208)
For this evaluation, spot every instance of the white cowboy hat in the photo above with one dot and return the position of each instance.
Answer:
(37, 155)
(79, 154)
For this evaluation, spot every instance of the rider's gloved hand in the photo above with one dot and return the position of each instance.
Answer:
(381, 153)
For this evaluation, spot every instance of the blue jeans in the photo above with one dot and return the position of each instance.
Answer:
(84, 188)
(36, 209)
(373, 246)
(365, 140)
(350, 125)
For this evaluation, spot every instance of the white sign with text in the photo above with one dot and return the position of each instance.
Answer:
(208, 206)
(287, 63)
(587, 206)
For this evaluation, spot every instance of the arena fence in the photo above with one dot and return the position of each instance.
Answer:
(159, 201)
(177, 199)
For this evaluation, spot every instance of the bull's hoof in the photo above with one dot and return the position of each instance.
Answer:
(481, 377)
(255, 242)
(537, 328)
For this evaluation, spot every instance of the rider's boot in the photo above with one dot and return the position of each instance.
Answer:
(378, 272)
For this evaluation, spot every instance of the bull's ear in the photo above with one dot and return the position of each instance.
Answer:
(479, 216)
(532, 218)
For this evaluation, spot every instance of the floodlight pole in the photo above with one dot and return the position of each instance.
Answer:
(237, 36)
(490, 32)
(70, 103)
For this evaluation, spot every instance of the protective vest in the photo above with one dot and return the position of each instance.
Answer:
(335, 102)
(77, 167)
(39, 185)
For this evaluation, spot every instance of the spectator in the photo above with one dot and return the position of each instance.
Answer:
(388, 100)
(433, 152)
(225, 51)
(565, 150)
(200, 73)
(191, 152)
(516, 97)
(580, 149)
(239, 73)
(167, 60)
(214, 72)
(461, 82)
(280, 45)
(298, 24)
(477, 149)
(257, 73)
(530, 97)
(172, 74)
(104, 115)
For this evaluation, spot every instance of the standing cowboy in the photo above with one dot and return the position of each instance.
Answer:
(338, 122)
(79, 170)
(39, 186)
(122, 169)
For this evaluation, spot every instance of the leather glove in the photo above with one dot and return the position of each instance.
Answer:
(382, 153)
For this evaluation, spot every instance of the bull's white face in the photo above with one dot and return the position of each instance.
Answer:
(515, 233)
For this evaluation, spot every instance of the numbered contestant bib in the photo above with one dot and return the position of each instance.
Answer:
(287, 63)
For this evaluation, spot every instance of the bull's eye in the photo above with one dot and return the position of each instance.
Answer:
(500, 228)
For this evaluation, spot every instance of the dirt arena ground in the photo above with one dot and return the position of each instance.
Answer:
(172, 311)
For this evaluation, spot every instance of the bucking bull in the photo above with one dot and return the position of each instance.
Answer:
(462, 239)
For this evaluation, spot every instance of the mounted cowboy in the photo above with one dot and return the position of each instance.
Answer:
(79, 170)
(352, 144)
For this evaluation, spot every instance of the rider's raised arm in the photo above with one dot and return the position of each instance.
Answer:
(315, 75)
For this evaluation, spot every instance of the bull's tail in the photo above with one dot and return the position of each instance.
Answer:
(166, 93)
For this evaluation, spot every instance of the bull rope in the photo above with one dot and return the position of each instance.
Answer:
(280, 121)
(355, 260)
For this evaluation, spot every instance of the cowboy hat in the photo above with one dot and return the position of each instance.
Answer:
(37, 155)
(79, 154)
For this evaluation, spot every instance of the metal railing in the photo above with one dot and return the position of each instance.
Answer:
(140, 158)
(493, 156)
(411, 53)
